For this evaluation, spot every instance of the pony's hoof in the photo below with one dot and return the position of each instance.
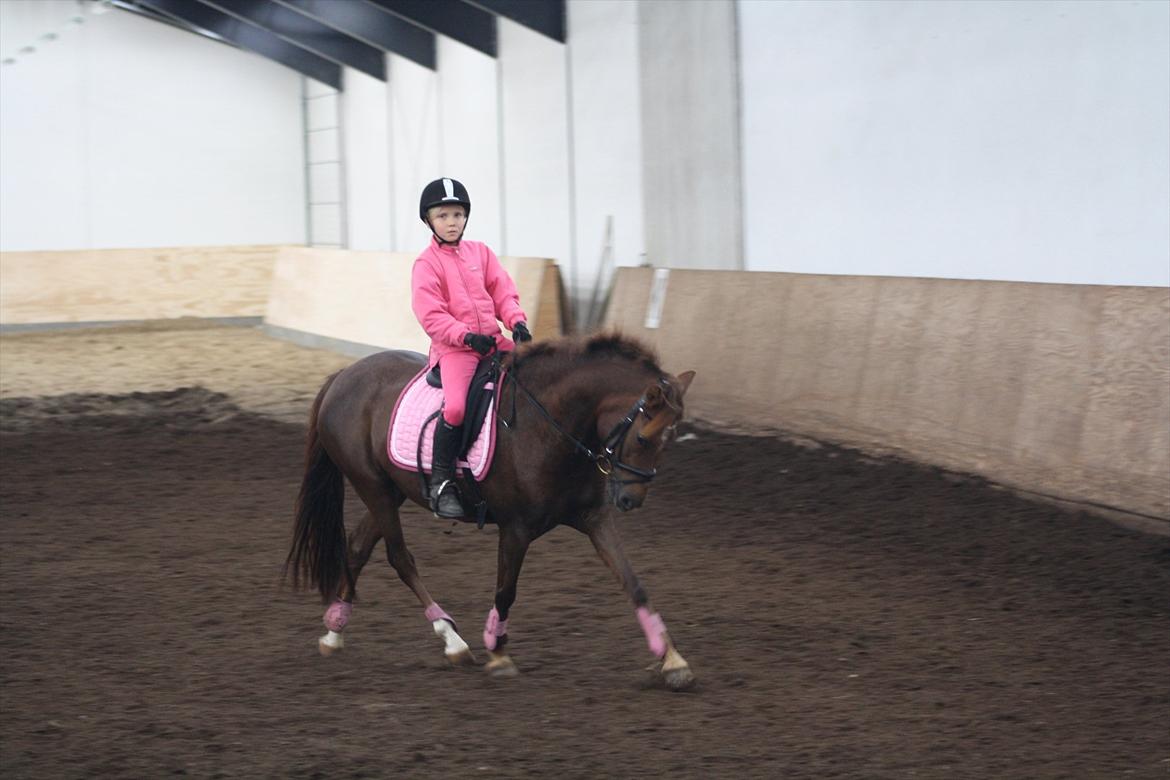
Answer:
(330, 643)
(680, 679)
(500, 666)
(463, 658)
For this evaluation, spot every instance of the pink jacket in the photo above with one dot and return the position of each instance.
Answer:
(461, 289)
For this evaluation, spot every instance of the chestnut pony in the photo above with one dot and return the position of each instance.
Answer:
(586, 420)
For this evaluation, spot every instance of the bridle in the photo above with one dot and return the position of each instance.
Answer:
(608, 458)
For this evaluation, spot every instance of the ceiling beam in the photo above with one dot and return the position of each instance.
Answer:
(308, 33)
(195, 14)
(373, 25)
(454, 19)
(547, 17)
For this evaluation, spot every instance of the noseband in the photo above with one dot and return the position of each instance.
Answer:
(608, 460)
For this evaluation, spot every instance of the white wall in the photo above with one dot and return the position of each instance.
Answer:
(607, 134)
(1019, 141)
(534, 107)
(366, 127)
(690, 133)
(469, 140)
(1025, 141)
(414, 144)
(503, 127)
(431, 124)
(124, 132)
(444, 123)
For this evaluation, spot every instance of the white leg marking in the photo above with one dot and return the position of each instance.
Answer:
(454, 648)
(330, 643)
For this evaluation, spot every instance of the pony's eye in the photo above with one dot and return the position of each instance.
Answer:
(642, 441)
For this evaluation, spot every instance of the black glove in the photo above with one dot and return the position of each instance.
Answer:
(479, 342)
(520, 333)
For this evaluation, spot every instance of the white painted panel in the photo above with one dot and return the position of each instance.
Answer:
(323, 145)
(316, 89)
(536, 155)
(44, 177)
(321, 109)
(468, 139)
(603, 52)
(367, 158)
(325, 183)
(690, 133)
(125, 132)
(1024, 141)
(326, 224)
(414, 143)
(33, 28)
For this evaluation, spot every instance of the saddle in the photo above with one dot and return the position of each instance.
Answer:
(410, 437)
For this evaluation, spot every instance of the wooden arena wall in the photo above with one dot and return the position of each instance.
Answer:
(1057, 389)
(360, 301)
(356, 302)
(112, 285)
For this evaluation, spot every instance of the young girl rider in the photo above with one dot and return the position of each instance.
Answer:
(459, 292)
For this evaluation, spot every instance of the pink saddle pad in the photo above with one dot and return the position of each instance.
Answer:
(418, 402)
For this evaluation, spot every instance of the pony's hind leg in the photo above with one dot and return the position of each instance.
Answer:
(385, 508)
(361, 545)
(454, 648)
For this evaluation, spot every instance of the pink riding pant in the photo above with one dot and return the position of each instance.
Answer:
(457, 369)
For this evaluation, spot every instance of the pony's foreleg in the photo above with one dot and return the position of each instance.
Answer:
(512, 549)
(675, 672)
(361, 544)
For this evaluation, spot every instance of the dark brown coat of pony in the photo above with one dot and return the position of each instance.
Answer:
(538, 478)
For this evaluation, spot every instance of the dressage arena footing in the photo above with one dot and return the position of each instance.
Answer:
(846, 616)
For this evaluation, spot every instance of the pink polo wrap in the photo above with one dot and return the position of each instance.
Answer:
(435, 612)
(337, 615)
(493, 629)
(654, 629)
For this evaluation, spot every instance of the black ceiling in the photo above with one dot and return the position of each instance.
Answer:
(317, 37)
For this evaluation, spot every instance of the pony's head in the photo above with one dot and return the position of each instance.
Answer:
(632, 429)
(637, 439)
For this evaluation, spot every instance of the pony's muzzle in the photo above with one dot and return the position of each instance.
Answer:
(630, 499)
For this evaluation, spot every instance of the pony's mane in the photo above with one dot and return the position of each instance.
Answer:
(568, 350)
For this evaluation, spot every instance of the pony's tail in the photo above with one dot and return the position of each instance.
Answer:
(319, 553)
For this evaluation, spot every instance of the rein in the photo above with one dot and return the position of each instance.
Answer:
(608, 459)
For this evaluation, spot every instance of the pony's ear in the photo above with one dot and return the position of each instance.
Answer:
(684, 380)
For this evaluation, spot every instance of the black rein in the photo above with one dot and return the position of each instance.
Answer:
(608, 460)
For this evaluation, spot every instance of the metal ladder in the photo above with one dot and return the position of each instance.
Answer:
(326, 222)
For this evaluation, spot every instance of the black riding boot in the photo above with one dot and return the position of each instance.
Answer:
(444, 495)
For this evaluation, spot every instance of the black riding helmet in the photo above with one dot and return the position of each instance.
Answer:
(439, 192)
(442, 191)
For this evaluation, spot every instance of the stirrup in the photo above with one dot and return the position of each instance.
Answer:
(437, 490)
(437, 499)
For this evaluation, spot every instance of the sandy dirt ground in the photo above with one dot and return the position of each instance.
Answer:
(260, 374)
(846, 616)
